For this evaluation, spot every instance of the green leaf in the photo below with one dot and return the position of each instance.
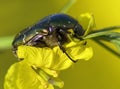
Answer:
(113, 37)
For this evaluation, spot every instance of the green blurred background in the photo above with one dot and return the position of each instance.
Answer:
(101, 72)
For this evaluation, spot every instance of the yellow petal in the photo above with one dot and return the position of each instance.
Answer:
(53, 59)
(78, 53)
(22, 76)
(87, 22)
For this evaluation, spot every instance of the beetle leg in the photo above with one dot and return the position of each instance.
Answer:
(62, 36)
(64, 51)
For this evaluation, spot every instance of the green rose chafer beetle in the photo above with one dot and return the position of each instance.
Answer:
(49, 32)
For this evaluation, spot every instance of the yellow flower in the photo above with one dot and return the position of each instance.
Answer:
(40, 67)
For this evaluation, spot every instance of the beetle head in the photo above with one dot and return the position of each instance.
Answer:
(79, 30)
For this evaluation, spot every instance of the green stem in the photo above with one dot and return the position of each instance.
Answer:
(108, 48)
(6, 42)
(96, 34)
(107, 29)
(106, 34)
(48, 78)
(101, 32)
(66, 8)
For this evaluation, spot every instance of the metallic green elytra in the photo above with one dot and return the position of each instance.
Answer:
(49, 32)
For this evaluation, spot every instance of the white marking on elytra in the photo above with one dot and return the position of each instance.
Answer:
(36, 31)
(29, 27)
(64, 25)
(24, 38)
(45, 31)
(69, 22)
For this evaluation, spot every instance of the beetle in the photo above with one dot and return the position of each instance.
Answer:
(50, 31)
